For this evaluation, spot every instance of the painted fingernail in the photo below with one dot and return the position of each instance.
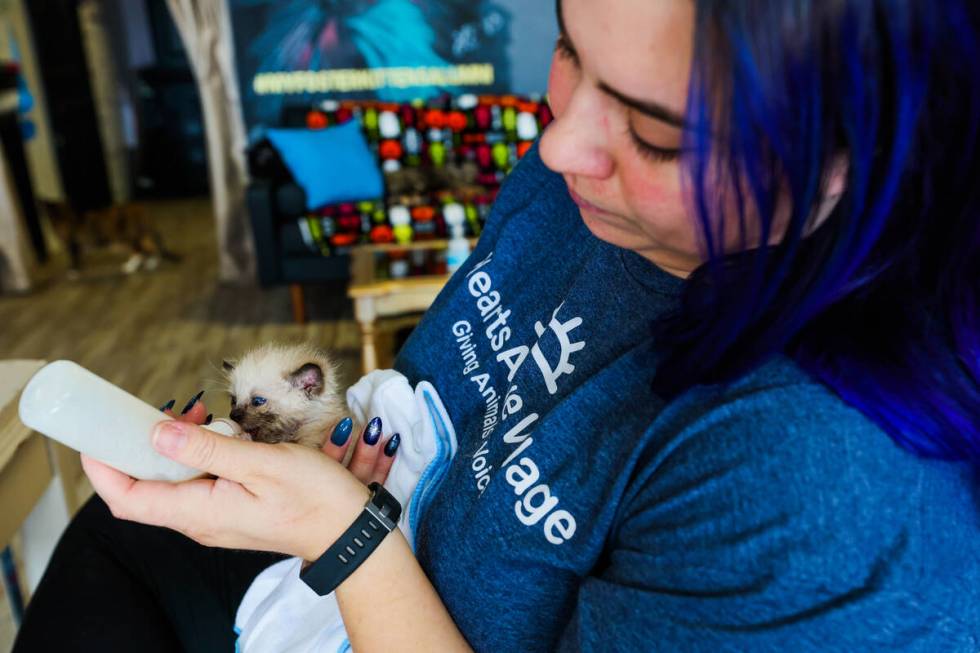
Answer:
(341, 432)
(392, 445)
(167, 406)
(207, 420)
(373, 432)
(190, 404)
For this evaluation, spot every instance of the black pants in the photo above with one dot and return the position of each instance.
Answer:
(114, 585)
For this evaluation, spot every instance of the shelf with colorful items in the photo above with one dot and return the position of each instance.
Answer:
(491, 131)
(404, 240)
(444, 157)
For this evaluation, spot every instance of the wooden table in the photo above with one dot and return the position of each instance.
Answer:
(374, 298)
(28, 460)
(25, 470)
(28, 464)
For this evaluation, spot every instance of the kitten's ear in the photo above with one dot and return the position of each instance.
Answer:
(226, 366)
(308, 378)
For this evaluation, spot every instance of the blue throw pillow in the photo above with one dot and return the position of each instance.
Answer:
(332, 165)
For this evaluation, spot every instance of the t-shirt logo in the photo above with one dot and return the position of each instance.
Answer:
(536, 503)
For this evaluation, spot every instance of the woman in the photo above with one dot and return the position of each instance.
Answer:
(713, 366)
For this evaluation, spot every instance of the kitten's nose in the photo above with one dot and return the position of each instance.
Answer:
(237, 414)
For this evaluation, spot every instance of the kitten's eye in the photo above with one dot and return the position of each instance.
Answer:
(258, 401)
(234, 400)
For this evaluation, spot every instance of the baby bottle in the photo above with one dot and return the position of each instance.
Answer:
(81, 410)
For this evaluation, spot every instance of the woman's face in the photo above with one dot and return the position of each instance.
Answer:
(618, 89)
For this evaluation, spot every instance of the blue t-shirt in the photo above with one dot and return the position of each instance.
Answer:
(584, 512)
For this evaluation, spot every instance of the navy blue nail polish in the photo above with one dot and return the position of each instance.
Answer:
(167, 406)
(341, 432)
(392, 445)
(207, 420)
(373, 432)
(190, 404)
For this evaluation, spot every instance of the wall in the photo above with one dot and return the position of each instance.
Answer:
(15, 36)
(97, 20)
(300, 51)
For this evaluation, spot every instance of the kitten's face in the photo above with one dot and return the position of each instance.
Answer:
(271, 402)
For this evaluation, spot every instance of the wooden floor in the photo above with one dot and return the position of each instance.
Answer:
(162, 335)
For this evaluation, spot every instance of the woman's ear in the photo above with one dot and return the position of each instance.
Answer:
(837, 177)
(835, 183)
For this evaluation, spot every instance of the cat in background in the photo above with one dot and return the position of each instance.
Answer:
(124, 228)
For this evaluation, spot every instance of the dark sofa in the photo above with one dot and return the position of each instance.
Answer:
(480, 138)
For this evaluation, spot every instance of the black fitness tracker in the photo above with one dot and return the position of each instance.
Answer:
(379, 517)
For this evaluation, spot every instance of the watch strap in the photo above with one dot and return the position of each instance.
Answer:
(378, 518)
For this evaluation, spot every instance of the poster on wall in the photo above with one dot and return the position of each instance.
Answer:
(301, 51)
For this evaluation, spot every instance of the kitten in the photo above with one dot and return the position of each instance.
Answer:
(285, 393)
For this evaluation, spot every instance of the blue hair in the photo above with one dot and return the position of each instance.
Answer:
(878, 297)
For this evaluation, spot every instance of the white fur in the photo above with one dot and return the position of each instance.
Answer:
(265, 371)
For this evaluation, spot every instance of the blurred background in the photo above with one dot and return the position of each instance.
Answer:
(181, 180)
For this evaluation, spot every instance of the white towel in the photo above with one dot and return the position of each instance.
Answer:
(280, 613)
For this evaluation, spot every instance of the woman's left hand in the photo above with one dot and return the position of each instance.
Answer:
(281, 497)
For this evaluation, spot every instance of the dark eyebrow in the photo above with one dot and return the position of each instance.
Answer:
(652, 109)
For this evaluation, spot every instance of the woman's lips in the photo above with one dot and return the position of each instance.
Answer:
(582, 204)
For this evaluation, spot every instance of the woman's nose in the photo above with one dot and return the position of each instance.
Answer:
(576, 143)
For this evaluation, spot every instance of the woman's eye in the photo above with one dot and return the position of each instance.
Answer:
(650, 151)
(258, 401)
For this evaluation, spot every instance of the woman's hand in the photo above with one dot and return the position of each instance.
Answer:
(283, 497)
(290, 499)
(372, 458)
